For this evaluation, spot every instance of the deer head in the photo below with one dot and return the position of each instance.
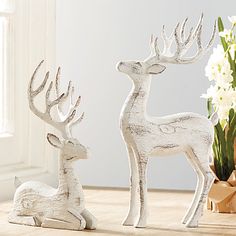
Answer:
(137, 70)
(70, 148)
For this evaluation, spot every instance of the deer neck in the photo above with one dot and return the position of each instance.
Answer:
(69, 182)
(136, 102)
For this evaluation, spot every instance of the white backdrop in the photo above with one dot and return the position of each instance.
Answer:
(92, 36)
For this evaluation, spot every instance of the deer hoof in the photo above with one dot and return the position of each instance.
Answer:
(192, 224)
(141, 224)
(91, 224)
(184, 221)
(128, 222)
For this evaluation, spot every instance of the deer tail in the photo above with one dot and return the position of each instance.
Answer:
(214, 118)
(17, 182)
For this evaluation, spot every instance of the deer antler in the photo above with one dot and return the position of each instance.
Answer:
(69, 94)
(66, 121)
(183, 43)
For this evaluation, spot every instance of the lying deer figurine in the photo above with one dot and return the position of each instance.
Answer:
(145, 136)
(38, 204)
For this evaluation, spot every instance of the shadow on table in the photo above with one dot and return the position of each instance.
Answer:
(203, 229)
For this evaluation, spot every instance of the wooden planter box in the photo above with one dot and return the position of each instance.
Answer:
(222, 195)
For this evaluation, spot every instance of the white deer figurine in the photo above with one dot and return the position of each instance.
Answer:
(38, 204)
(146, 136)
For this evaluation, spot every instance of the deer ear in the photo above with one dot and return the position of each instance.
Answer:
(54, 140)
(155, 69)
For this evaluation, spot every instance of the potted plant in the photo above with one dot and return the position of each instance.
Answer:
(221, 97)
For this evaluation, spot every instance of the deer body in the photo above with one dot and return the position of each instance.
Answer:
(146, 136)
(43, 202)
(175, 133)
(38, 204)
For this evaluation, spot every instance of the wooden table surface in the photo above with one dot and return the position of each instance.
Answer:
(166, 209)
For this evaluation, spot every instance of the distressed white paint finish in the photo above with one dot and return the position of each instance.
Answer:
(38, 204)
(145, 136)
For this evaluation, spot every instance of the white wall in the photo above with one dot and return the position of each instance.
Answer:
(92, 36)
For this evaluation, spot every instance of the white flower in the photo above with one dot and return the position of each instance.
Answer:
(211, 92)
(218, 68)
(223, 113)
(232, 19)
(234, 97)
(225, 77)
(232, 50)
(227, 34)
(216, 59)
(223, 100)
(223, 97)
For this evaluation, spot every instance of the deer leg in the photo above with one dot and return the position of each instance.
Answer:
(23, 220)
(142, 169)
(208, 179)
(71, 220)
(133, 206)
(197, 190)
(60, 224)
(91, 221)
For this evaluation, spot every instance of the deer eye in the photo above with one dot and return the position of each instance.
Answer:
(71, 143)
(138, 64)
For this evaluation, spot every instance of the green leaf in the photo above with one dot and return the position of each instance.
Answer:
(232, 125)
(231, 115)
(217, 168)
(220, 24)
(217, 153)
(225, 46)
(230, 152)
(234, 73)
(223, 158)
(209, 107)
(221, 138)
(221, 28)
(234, 134)
(217, 163)
(230, 140)
(223, 146)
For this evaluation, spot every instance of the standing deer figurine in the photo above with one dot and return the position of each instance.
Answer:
(145, 136)
(38, 204)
